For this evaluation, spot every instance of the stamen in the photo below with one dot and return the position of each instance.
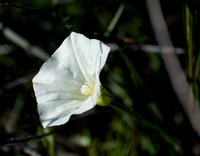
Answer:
(86, 89)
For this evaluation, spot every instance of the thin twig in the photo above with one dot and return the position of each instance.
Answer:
(54, 130)
(146, 48)
(17, 82)
(175, 72)
(19, 140)
(17, 6)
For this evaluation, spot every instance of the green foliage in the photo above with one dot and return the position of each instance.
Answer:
(153, 121)
(192, 15)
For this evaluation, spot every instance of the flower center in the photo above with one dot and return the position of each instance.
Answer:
(86, 89)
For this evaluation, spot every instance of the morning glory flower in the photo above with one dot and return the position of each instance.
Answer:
(68, 82)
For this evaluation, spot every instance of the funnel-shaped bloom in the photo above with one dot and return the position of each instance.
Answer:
(68, 82)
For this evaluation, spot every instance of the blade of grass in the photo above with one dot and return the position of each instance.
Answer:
(192, 28)
(114, 20)
(24, 44)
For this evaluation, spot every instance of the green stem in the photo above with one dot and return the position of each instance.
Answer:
(49, 142)
(189, 40)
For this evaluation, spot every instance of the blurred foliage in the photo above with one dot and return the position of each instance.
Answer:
(192, 16)
(137, 79)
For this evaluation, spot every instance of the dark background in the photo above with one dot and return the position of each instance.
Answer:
(136, 78)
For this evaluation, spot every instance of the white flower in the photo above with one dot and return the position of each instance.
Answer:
(68, 82)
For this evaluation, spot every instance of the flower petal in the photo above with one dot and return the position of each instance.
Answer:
(53, 116)
(90, 53)
(57, 93)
